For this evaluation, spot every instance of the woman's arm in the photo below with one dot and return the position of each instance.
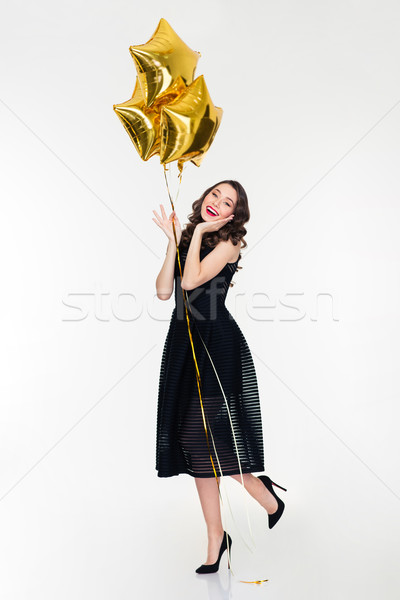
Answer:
(165, 279)
(191, 271)
(197, 272)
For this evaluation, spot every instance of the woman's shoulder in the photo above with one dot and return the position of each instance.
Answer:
(235, 250)
(206, 247)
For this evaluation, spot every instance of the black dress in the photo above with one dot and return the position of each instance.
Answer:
(181, 445)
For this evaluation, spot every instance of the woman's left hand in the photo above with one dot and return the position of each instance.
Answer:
(207, 226)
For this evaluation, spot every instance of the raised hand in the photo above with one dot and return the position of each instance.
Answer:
(206, 226)
(165, 223)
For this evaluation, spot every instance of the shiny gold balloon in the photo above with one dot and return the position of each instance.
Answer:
(169, 113)
(160, 62)
(142, 123)
(189, 125)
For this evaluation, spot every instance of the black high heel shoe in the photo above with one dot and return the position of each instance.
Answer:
(274, 518)
(215, 566)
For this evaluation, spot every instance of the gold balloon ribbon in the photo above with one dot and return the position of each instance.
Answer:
(186, 300)
(232, 429)
(206, 424)
(258, 582)
(198, 378)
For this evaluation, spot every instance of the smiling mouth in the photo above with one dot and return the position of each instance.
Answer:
(210, 212)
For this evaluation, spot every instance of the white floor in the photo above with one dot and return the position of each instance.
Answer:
(338, 539)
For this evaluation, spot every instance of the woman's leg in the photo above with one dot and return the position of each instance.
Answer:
(209, 499)
(257, 489)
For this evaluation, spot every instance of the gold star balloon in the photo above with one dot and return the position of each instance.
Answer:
(189, 125)
(163, 59)
(169, 113)
(142, 123)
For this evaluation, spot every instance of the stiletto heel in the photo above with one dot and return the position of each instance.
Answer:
(215, 566)
(274, 518)
(279, 486)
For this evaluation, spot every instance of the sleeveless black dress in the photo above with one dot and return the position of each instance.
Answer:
(181, 445)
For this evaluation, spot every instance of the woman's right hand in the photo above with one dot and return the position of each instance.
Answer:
(165, 224)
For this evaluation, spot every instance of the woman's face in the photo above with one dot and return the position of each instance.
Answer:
(223, 199)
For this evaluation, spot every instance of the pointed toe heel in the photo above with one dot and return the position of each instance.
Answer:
(226, 544)
(274, 518)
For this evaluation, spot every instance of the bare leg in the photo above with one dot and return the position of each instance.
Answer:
(209, 499)
(257, 489)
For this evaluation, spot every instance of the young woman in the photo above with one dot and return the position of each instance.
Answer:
(209, 250)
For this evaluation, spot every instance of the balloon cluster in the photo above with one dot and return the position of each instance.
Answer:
(170, 113)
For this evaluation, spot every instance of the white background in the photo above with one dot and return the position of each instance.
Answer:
(311, 99)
